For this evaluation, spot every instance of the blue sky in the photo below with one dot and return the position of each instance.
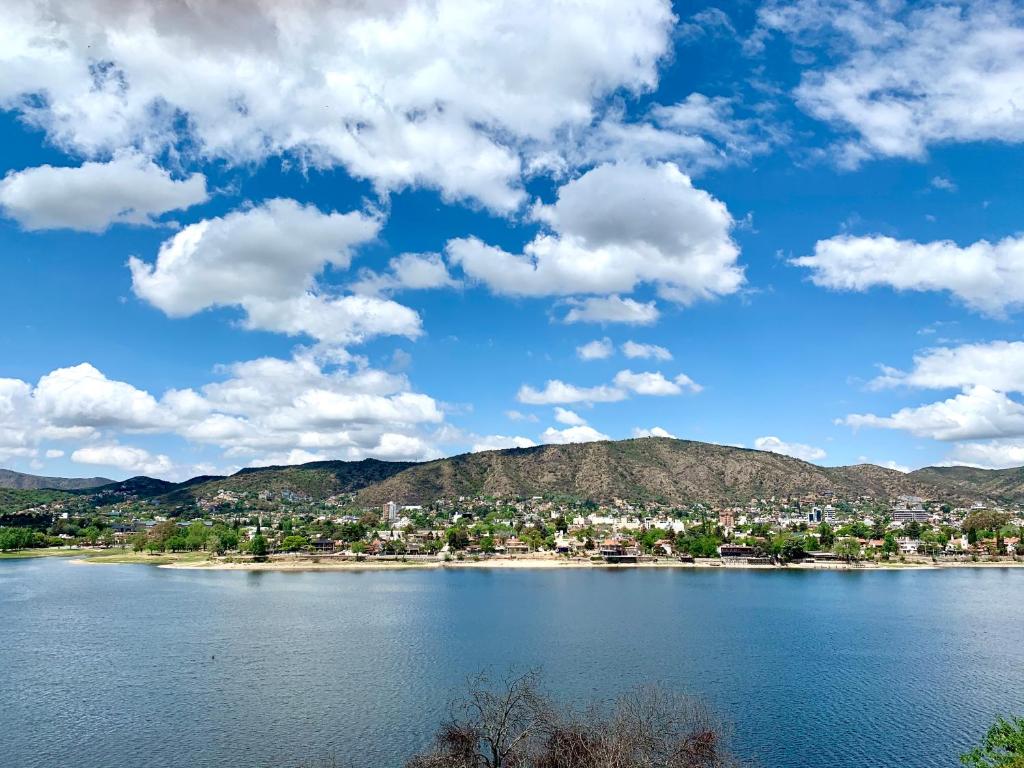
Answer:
(324, 232)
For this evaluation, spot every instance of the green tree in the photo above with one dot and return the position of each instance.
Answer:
(826, 536)
(847, 548)
(889, 546)
(258, 546)
(1002, 747)
(293, 543)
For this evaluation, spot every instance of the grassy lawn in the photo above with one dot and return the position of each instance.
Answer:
(110, 555)
(49, 552)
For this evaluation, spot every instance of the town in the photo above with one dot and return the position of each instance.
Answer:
(286, 526)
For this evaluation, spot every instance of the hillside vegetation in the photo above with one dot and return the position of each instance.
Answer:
(647, 469)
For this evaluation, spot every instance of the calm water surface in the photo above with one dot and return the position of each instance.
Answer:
(131, 666)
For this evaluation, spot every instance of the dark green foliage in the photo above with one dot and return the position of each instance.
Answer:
(1002, 747)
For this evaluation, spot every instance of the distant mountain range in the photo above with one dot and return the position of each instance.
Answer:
(21, 481)
(646, 469)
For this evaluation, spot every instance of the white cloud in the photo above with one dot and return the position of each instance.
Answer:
(909, 76)
(941, 182)
(500, 442)
(995, 454)
(520, 416)
(402, 93)
(266, 260)
(572, 435)
(124, 457)
(54, 453)
(697, 133)
(129, 189)
(410, 271)
(652, 432)
(571, 418)
(614, 228)
(612, 309)
(556, 391)
(978, 412)
(318, 402)
(341, 320)
(996, 364)
(632, 349)
(625, 382)
(81, 396)
(988, 277)
(796, 450)
(598, 349)
(655, 383)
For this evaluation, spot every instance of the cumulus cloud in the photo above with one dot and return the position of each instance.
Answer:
(571, 418)
(568, 435)
(655, 383)
(652, 432)
(500, 442)
(129, 189)
(556, 391)
(632, 349)
(978, 412)
(408, 272)
(124, 457)
(994, 454)
(318, 402)
(598, 349)
(624, 383)
(796, 450)
(612, 309)
(908, 76)
(616, 227)
(997, 364)
(401, 93)
(988, 277)
(266, 260)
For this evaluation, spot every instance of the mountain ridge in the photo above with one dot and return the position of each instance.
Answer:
(26, 482)
(653, 469)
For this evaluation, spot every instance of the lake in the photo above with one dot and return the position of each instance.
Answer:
(130, 666)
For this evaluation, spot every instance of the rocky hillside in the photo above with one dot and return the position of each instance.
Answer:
(652, 469)
(12, 479)
(648, 469)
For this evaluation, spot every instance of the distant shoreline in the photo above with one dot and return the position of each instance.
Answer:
(553, 564)
(201, 561)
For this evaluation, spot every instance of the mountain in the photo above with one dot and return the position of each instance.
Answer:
(644, 469)
(985, 483)
(12, 479)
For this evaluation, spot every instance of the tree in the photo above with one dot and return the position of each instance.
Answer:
(1002, 747)
(258, 546)
(826, 537)
(293, 543)
(847, 548)
(512, 725)
(889, 546)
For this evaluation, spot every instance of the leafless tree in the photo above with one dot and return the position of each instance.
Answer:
(512, 725)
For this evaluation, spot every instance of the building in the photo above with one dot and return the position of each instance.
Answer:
(904, 513)
(735, 551)
(727, 518)
(390, 512)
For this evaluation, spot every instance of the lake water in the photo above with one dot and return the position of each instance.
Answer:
(131, 666)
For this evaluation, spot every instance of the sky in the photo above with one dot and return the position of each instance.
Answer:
(244, 234)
